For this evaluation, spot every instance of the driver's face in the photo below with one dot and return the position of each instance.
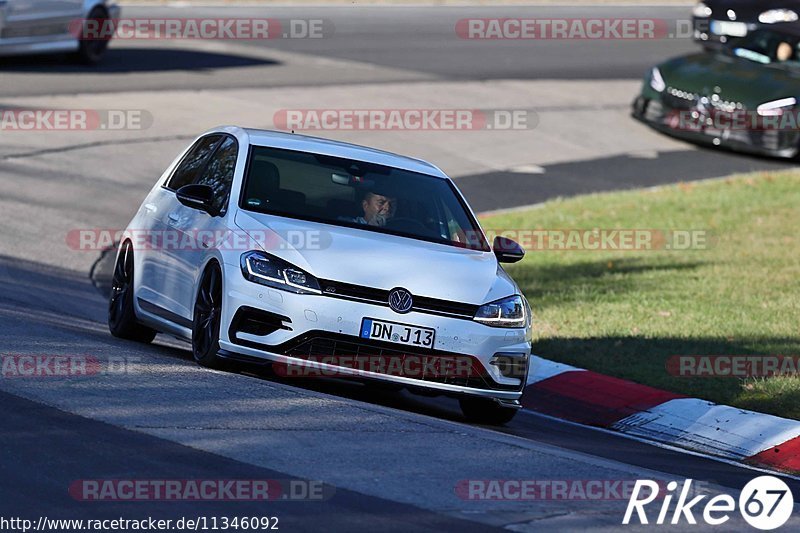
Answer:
(378, 209)
(784, 52)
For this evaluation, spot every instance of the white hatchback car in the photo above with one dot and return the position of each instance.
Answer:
(50, 26)
(324, 258)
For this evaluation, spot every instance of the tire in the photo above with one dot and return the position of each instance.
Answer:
(121, 315)
(92, 51)
(486, 412)
(207, 318)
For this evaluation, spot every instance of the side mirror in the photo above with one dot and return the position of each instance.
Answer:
(507, 251)
(197, 197)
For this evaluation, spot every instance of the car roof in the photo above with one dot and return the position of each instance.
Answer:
(317, 145)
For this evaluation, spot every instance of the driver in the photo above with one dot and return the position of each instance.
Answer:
(379, 208)
(785, 52)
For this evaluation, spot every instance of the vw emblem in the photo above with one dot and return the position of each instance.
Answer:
(400, 301)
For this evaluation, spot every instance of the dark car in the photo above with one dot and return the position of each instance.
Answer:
(724, 21)
(744, 96)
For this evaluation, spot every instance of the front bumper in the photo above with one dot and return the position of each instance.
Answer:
(657, 113)
(318, 332)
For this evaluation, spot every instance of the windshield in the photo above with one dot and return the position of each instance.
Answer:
(769, 47)
(357, 194)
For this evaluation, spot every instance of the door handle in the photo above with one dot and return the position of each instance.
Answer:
(150, 208)
(174, 218)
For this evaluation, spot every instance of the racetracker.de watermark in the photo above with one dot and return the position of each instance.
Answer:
(139, 490)
(406, 366)
(532, 240)
(708, 118)
(101, 239)
(733, 366)
(550, 489)
(606, 239)
(408, 119)
(42, 120)
(54, 366)
(211, 29)
(612, 29)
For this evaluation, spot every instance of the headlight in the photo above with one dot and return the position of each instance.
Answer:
(776, 107)
(774, 16)
(657, 80)
(260, 267)
(701, 11)
(511, 312)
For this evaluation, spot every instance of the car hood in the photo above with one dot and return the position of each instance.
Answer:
(380, 261)
(733, 78)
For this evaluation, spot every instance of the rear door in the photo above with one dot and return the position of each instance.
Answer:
(39, 18)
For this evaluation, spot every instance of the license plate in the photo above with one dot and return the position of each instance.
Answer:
(734, 29)
(393, 332)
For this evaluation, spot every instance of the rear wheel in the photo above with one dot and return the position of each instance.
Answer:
(121, 314)
(207, 319)
(91, 49)
(485, 411)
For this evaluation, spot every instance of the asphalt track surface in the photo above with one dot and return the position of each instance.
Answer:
(513, 189)
(47, 450)
(55, 432)
(421, 41)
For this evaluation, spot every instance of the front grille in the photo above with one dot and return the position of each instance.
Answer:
(675, 98)
(425, 365)
(422, 304)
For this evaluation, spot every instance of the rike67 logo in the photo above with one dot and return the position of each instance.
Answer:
(765, 503)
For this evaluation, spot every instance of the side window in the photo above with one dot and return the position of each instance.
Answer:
(219, 173)
(193, 163)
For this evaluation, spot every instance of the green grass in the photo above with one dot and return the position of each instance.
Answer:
(625, 313)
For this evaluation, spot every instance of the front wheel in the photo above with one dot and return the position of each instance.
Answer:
(485, 411)
(207, 319)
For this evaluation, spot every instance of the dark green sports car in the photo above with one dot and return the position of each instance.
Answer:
(745, 97)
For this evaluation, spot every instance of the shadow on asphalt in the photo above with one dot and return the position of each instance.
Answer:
(499, 190)
(50, 455)
(132, 60)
